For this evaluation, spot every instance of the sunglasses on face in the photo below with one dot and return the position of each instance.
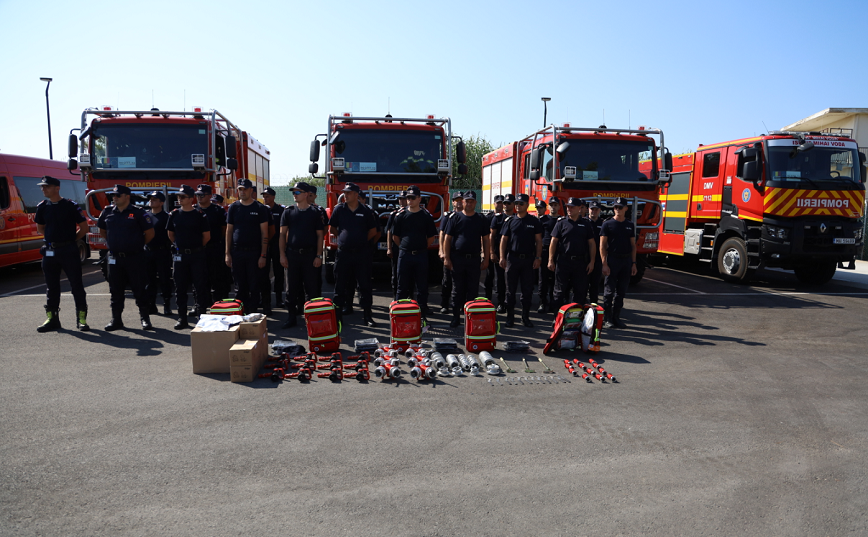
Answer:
(411, 197)
(507, 203)
(182, 197)
(202, 195)
(521, 203)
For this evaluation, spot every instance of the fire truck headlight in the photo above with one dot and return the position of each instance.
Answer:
(650, 240)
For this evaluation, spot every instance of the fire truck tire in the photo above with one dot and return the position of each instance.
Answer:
(83, 252)
(732, 261)
(816, 274)
(330, 273)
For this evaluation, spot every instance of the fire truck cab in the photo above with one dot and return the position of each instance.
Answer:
(384, 155)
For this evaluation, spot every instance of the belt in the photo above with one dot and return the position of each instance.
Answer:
(190, 250)
(416, 252)
(152, 248)
(59, 244)
(300, 251)
(464, 256)
(575, 257)
(521, 256)
(350, 250)
(125, 254)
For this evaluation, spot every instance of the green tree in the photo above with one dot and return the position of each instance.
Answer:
(477, 146)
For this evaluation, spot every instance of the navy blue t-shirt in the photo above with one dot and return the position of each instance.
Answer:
(353, 226)
(572, 236)
(125, 229)
(246, 219)
(161, 238)
(548, 223)
(302, 226)
(521, 233)
(467, 232)
(60, 219)
(414, 229)
(618, 235)
(188, 227)
(216, 216)
(276, 213)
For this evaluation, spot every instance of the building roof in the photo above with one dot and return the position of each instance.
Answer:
(821, 119)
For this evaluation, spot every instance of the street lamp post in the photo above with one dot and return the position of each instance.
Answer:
(48, 112)
(545, 101)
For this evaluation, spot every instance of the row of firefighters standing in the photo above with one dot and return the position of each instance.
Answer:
(145, 249)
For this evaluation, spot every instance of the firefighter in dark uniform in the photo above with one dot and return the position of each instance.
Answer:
(61, 223)
(571, 255)
(226, 281)
(272, 263)
(446, 283)
(215, 248)
(300, 243)
(126, 229)
(354, 225)
(520, 254)
(159, 256)
(500, 274)
(546, 276)
(311, 199)
(492, 267)
(247, 223)
(594, 278)
(412, 232)
(392, 250)
(190, 232)
(466, 240)
(618, 251)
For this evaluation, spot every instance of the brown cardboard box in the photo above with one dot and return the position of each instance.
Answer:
(211, 350)
(243, 373)
(263, 348)
(253, 330)
(246, 352)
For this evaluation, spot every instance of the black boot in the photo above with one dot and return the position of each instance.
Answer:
(501, 308)
(182, 323)
(542, 307)
(116, 323)
(291, 321)
(525, 318)
(616, 318)
(167, 307)
(607, 320)
(146, 323)
(81, 320)
(456, 320)
(510, 317)
(52, 321)
(369, 319)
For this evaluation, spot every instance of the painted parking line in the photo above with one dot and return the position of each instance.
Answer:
(673, 285)
(756, 293)
(15, 292)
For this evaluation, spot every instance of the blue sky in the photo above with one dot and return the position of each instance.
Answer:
(703, 72)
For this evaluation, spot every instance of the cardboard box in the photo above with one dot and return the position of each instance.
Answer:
(243, 373)
(263, 348)
(253, 330)
(211, 350)
(246, 352)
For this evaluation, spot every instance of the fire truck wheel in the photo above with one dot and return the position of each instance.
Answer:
(816, 274)
(330, 274)
(732, 260)
(83, 252)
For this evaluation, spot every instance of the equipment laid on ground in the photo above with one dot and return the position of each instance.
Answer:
(602, 371)
(592, 325)
(527, 368)
(516, 346)
(445, 345)
(227, 306)
(548, 370)
(506, 366)
(405, 318)
(480, 325)
(366, 345)
(589, 371)
(387, 368)
(323, 328)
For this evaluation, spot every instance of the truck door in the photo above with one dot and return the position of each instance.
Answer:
(8, 224)
(675, 214)
(706, 195)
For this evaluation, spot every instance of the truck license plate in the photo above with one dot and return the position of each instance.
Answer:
(843, 241)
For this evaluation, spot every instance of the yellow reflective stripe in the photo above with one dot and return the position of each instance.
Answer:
(405, 312)
(317, 310)
(479, 337)
(675, 214)
(321, 338)
(477, 310)
(417, 338)
(714, 197)
(672, 197)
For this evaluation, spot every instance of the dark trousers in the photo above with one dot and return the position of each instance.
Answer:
(192, 270)
(66, 259)
(594, 281)
(546, 279)
(496, 275)
(219, 277)
(413, 270)
(301, 278)
(571, 275)
(519, 270)
(616, 283)
(159, 274)
(351, 267)
(466, 271)
(446, 287)
(128, 269)
(272, 266)
(246, 271)
(394, 262)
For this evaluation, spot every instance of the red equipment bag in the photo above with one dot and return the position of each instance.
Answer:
(567, 327)
(480, 325)
(405, 316)
(227, 306)
(592, 325)
(323, 328)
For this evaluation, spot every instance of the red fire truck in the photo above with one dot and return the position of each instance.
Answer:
(589, 163)
(786, 199)
(384, 155)
(157, 150)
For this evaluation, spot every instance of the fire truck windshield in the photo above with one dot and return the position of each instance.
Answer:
(391, 152)
(147, 146)
(825, 164)
(602, 160)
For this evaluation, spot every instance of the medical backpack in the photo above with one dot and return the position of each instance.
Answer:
(405, 318)
(323, 328)
(480, 325)
(592, 325)
(566, 329)
(227, 306)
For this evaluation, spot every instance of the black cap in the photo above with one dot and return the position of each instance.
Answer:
(157, 194)
(509, 198)
(245, 183)
(203, 189)
(217, 198)
(187, 190)
(594, 205)
(301, 185)
(458, 195)
(414, 190)
(47, 180)
(575, 202)
(540, 202)
(121, 189)
(523, 197)
(619, 201)
(269, 190)
(498, 198)
(470, 195)
(402, 194)
(554, 201)
(352, 187)
(311, 189)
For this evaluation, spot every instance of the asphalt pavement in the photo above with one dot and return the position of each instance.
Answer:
(740, 410)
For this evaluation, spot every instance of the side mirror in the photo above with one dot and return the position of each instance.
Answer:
(667, 161)
(562, 149)
(231, 163)
(534, 175)
(73, 147)
(461, 150)
(73, 164)
(314, 152)
(751, 171)
(864, 169)
(312, 168)
(534, 160)
(231, 149)
(462, 169)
